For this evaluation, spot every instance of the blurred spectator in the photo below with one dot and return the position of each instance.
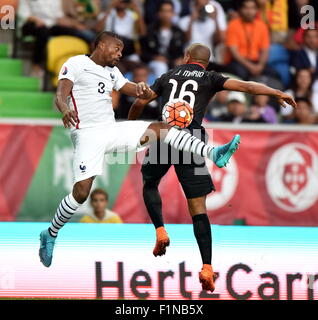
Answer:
(261, 110)
(85, 11)
(248, 42)
(238, 111)
(151, 8)
(164, 42)
(302, 86)
(45, 18)
(298, 38)
(217, 106)
(151, 111)
(304, 113)
(275, 14)
(100, 214)
(229, 6)
(307, 57)
(206, 25)
(301, 89)
(88, 9)
(124, 17)
(236, 108)
(104, 4)
(296, 32)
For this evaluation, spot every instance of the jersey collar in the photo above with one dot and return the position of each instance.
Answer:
(199, 64)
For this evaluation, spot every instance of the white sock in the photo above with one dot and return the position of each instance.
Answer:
(184, 141)
(63, 214)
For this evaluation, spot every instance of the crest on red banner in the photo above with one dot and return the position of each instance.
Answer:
(291, 177)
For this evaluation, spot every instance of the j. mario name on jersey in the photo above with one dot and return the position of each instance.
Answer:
(194, 73)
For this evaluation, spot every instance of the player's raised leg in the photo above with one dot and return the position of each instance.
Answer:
(64, 213)
(203, 235)
(184, 141)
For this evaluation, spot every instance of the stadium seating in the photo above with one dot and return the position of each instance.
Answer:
(4, 50)
(279, 61)
(61, 48)
(26, 104)
(18, 83)
(21, 96)
(10, 67)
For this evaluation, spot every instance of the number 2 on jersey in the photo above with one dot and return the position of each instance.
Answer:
(183, 93)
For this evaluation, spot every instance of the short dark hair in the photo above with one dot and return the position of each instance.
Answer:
(242, 3)
(100, 37)
(162, 3)
(99, 191)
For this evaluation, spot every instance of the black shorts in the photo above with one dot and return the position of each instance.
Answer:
(191, 170)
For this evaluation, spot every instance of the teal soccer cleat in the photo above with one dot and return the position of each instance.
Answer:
(221, 155)
(46, 248)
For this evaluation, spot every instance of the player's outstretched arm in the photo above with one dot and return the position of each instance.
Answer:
(139, 90)
(64, 88)
(138, 106)
(257, 89)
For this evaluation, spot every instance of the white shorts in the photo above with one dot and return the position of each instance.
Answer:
(91, 145)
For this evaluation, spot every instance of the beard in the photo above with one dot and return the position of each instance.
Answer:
(112, 63)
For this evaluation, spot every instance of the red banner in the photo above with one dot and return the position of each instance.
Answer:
(271, 180)
(21, 147)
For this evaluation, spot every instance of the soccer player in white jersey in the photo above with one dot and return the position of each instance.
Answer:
(84, 99)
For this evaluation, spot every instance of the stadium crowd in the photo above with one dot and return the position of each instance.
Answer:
(259, 40)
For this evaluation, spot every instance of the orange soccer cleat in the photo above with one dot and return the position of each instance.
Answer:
(207, 277)
(162, 242)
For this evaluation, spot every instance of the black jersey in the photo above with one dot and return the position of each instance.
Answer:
(192, 83)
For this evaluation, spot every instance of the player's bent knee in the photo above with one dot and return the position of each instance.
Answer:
(196, 206)
(81, 196)
(81, 192)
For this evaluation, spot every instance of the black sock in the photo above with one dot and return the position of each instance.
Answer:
(202, 232)
(153, 203)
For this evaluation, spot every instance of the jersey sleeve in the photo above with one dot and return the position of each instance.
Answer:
(158, 85)
(217, 81)
(120, 80)
(69, 70)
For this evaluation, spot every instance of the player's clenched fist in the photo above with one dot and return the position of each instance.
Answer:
(143, 91)
(69, 118)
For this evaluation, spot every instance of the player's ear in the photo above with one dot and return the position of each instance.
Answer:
(186, 57)
(102, 45)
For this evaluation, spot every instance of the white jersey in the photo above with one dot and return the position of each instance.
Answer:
(91, 96)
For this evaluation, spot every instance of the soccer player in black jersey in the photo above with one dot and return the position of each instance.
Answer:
(192, 83)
